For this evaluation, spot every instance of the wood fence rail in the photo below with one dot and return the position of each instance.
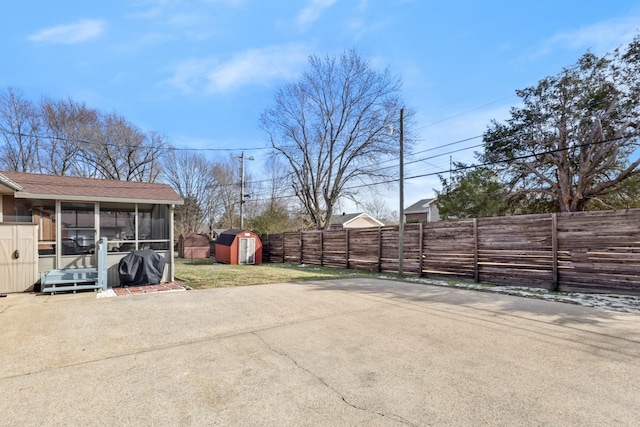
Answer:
(596, 252)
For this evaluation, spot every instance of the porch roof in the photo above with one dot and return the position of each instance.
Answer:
(54, 187)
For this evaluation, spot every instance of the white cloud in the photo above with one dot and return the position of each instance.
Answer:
(81, 31)
(250, 67)
(189, 75)
(601, 37)
(312, 12)
(258, 66)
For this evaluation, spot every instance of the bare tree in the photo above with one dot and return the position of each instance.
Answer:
(19, 126)
(64, 137)
(273, 207)
(228, 193)
(331, 127)
(192, 176)
(378, 208)
(119, 150)
(66, 124)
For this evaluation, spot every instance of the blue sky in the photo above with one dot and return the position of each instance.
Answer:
(202, 71)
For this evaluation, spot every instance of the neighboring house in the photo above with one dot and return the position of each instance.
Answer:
(423, 211)
(216, 232)
(54, 222)
(355, 220)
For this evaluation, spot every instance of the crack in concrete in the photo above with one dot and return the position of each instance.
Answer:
(393, 417)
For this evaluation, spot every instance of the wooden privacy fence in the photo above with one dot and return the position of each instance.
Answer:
(582, 251)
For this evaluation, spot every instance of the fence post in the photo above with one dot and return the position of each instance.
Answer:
(476, 267)
(346, 252)
(283, 247)
(421, 244)
(554, 248)
(268, 251)
(379, 249)
(321, 248)
(301, 248)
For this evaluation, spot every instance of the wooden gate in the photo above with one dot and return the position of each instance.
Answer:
(18, 257)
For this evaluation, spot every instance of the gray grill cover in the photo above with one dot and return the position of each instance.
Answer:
(140, 268)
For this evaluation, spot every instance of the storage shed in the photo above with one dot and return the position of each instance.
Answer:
(239, 247)
(193, 245)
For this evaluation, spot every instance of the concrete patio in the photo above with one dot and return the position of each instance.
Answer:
(349, 352)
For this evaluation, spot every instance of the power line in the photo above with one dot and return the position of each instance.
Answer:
(465, 112)
(462, 168)
(111, 144)
(507, 161)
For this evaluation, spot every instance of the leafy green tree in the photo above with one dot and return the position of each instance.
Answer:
(472, 193)
(274, 219)
(575, 137)
(625, 196)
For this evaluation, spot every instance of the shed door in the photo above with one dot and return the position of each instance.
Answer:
(247, 251)
(18, 260)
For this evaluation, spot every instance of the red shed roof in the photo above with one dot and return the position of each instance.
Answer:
(227, 237)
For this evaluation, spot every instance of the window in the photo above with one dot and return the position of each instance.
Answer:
(78, 228)
(16, 210)
(153, 225)
(118, 225)
(44, 214)
(126, 231)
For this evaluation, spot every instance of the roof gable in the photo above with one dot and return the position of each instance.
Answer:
(88, 189)
(420, 206)
(347, 218)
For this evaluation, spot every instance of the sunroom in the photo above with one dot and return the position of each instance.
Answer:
(55, 223)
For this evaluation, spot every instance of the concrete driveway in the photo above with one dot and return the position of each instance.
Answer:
(333, 353)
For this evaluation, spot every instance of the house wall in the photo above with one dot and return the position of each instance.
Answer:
(431, 215)
(7, 205)
(416, 217)
(360, 223)
(434, 213)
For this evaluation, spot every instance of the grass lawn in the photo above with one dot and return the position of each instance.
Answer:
(206, 273)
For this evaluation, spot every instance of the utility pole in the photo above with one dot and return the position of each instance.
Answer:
(401, 193)
(242, 195)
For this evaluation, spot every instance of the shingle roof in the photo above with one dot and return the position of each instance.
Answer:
(345, 218)
(420, 206)
(75, 188)
(227, 237)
